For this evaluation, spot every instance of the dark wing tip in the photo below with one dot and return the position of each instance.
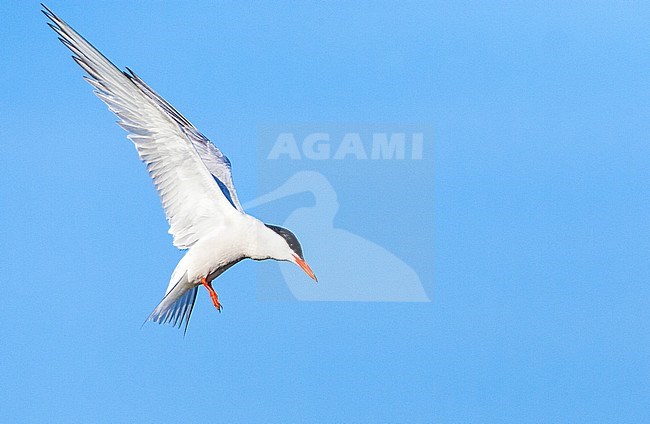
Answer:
(49, 14)
(129, 73)
(46, 10)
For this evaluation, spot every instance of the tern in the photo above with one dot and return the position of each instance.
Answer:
(193, 179)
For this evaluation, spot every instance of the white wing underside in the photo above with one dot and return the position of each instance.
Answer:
(183, 163)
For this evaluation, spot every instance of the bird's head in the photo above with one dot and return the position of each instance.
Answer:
(282, 245)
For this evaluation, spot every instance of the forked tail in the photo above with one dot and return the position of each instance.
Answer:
(177, 305)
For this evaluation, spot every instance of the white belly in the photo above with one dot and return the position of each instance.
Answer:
(214, 253)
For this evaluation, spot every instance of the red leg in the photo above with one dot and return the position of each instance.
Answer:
(213, 294)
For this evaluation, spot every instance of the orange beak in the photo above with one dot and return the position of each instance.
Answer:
(302, 264)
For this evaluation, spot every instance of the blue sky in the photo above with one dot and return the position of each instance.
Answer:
(533, 245)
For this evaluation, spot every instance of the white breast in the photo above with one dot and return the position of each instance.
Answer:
(218, 249)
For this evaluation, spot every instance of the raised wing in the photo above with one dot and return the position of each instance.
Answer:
(167, 143)
(217, 163)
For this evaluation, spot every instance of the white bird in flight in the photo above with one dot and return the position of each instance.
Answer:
(193, 179)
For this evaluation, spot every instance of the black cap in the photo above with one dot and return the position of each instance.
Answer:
(289, 237)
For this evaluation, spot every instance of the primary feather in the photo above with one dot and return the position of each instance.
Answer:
(181, 161)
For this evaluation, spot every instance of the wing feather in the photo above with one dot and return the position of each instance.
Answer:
(217, 163)
(167, 143)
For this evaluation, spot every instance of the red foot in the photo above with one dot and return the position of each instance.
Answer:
(213, 294)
